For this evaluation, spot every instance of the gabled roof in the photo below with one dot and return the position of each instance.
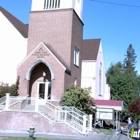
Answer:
(56, 54)
(21, 27)
(90, 49)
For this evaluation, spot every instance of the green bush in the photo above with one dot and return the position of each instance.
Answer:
(79, 98)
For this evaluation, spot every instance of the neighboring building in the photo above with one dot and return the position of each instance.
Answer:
(56, 54)
(93, 69)
(13, 45)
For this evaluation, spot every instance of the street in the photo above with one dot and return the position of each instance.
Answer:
(91, 136)
(109, 137)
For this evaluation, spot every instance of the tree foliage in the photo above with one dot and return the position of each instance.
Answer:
(134, 107)
(130, 60)
(123, 79)
(79, 98)
(13, 89)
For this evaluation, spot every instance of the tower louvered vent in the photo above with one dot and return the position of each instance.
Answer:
(51, 4)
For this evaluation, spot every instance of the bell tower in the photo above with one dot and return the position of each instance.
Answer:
(58, 23)
(40, 5)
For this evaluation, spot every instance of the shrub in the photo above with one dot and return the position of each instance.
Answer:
(79, 98)
(5, 88)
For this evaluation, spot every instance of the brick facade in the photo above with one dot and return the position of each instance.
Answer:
(63, 31)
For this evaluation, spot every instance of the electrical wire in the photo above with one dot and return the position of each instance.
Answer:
(119, 4)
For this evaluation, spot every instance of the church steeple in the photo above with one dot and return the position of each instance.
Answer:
(39, 5)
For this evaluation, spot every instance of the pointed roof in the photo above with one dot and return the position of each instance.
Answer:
(21, 27)
(54, 53)
(57, 55)
(90, 49)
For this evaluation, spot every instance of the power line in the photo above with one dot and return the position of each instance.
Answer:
(135, 6)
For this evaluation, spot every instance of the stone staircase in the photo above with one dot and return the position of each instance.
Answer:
(69, 116)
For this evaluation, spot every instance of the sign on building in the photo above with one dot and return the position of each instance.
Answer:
(105, 113)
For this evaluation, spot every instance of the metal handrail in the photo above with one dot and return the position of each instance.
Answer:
(69, 116)
(71, 109)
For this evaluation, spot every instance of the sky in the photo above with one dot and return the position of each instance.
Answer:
(115, 22)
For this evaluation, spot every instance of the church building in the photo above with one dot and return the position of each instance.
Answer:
(53, 58)
(47, 55)
(55, 50)
(54, 53)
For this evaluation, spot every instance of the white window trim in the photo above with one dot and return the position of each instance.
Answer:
(76, 56)
(100, 80)
(75, 82)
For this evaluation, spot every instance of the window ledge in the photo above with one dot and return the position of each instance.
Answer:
(76, 65)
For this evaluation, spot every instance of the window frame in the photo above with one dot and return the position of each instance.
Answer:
(100, 80)
(76, 56)
(75, 81)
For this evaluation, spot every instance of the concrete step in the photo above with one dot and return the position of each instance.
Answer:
(29, 107)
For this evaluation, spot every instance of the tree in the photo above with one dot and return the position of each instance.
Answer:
(132, 77)
(124, 80)
(134, 108)
(13, 89)
(115, 80)
(130, 60)
(79, 98)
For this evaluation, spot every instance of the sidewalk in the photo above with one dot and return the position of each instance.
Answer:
(91, 136)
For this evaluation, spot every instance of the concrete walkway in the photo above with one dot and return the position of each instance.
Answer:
(91, 136)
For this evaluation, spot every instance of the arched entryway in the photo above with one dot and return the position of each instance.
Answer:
(40, 80)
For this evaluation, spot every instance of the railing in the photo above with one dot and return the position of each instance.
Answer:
(77, 115)
(2, 103)
(51, 111)
(28, 104)
(63, 114)
(74, 121)
(17, 103)
(78, 111)
(56, 114)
